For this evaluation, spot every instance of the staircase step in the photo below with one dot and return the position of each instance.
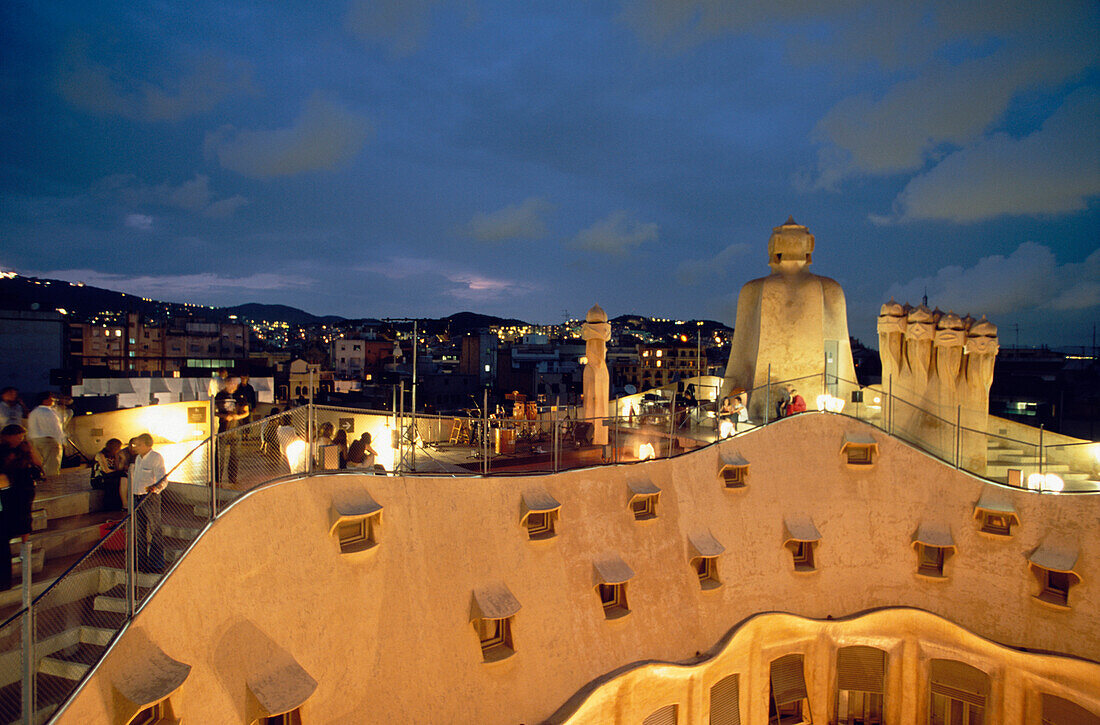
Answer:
(74, 671)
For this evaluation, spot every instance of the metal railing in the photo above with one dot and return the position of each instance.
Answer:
(51, 643)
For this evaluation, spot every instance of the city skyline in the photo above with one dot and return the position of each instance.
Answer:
(421, 158)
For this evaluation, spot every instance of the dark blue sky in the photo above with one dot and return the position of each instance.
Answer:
(408, 157)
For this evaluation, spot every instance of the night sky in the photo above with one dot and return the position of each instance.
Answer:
(408, 157)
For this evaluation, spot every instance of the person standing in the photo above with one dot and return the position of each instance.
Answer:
(45, 434)
(249, 394)
(147, 479)
(12, 410)
(108, 470)
(19, 466)
(231, 407)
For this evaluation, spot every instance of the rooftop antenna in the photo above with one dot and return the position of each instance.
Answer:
(924, 300)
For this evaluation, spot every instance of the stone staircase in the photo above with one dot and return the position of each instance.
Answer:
(79, 618)
(1004, 455)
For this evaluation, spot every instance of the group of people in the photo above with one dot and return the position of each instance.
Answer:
(139, 471)
(44, 425)
(332, 442)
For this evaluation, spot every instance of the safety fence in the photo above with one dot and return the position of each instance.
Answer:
(51, 643)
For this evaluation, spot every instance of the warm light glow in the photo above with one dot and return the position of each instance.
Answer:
(296, 453)
(830, 403)
(1046, 482)
(725, 428)
(582, 360)
(168, 424)
(645, 451)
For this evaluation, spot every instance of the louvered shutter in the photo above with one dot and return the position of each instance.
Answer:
(788, 681)
(861, 668)
(724, 706)
(665, 716)
(959, 681)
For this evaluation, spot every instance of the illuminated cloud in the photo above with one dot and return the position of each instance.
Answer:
(516, 221)
(111, 91)
(1054, 170)
(451, 280)
(326, 135)
(615, 234)
(1030, 277)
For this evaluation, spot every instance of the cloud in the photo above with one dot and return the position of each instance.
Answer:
(106, 91)
(679, 24)
(1054, 170)
(516, 221)
(912, 122)
(401, 25)
(192, 195)
(144, 222)
(1030, 277)
(696, 271)
(326, 135)
(177, 286)
(615, 234)
(464, 284)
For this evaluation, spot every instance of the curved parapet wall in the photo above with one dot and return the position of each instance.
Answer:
(909, 640)
(384, 607)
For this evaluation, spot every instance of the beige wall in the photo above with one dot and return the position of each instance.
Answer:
(387, 634)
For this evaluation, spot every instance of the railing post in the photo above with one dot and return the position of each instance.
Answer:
(212, 463)
(671, 422)
(1040, 449)
(131, 549)
(768, 395)
(557, 440)
(958, 433)
(890, 408)
(28, 637)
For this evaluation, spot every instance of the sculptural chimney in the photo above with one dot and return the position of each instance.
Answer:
(793, 321)
(597, 381)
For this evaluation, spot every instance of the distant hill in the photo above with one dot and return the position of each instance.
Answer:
(474, 321)
(282, 313)
(85, 301)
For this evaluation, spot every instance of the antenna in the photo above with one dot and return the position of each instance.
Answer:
(924, 300)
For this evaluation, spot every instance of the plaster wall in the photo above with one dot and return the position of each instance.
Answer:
(386, 633)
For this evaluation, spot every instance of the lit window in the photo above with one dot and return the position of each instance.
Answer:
(644, 497)
(612, 575)
(801, 539)
(996, 514)
(859, 449)
(959, 693)
(493, 610)
(356, 518)
(704, 551)
(1053, 568)
(733, 470)
(294, 717)
(861, 684)
(155, 714)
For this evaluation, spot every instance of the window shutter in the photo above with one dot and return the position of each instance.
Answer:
(1058, 711)
(861, 668)
(788, 681)
(665, 716)
(959, 681)
(724, 706)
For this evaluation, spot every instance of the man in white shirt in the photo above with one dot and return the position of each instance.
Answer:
(147, 479)
(45, 434)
